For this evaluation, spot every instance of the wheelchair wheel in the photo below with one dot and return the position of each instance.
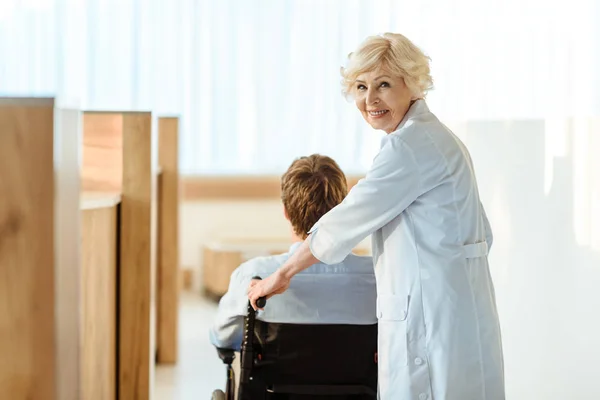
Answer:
(218, 395)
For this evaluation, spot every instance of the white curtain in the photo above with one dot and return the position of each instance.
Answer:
(256, 83)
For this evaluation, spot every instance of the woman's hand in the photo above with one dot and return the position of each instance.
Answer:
(277, 283)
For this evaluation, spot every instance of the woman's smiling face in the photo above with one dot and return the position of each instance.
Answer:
(382, 99)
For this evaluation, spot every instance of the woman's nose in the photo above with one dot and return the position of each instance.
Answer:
(372, 97)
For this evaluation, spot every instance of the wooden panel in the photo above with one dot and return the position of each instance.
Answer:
(136, 355)
(27, 325)
(102, 166)
(236, 187)
(227, 187)
(93, 200)
(187, 278)
(99, 304)
(168, 241)
(218, 267)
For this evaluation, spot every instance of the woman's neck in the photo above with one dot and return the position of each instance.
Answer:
(404, 116)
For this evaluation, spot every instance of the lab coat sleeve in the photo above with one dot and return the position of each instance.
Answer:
(227, 329)
(489, 236)
(389, 187)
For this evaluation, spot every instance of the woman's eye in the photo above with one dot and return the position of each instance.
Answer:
(361, 87)
(384, 84)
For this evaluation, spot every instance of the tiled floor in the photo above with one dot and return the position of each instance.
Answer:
(199, 371)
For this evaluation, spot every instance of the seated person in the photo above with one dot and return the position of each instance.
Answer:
(344, 293)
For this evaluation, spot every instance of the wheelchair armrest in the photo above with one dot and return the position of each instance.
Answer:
(226, 355)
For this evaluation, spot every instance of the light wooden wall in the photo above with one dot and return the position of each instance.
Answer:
(118, 159)
(48, 352)
(199, 188)
(136, 299)
(99, 305)
(102, 164)
(168, 281)
(101, 181)
(218, 267)
(39, 244)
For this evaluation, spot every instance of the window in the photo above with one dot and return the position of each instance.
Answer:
(257, 83)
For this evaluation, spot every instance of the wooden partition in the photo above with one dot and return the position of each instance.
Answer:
(101, 181)
(136, 292)
(39, 251)
(102, 169)
(168, 240)
(117, 159)
(99, 213)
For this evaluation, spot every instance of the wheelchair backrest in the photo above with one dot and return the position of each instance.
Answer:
(315, 354)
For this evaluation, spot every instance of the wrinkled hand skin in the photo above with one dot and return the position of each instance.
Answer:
(277, 283)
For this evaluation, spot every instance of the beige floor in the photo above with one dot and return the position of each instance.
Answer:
(199, 371)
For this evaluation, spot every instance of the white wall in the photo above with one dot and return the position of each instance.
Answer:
(540, 183)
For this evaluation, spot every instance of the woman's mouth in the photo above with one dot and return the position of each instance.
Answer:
(378, 113)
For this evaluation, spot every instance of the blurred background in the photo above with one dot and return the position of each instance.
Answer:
(257, 84)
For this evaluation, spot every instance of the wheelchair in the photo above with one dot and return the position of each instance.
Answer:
(300, 362)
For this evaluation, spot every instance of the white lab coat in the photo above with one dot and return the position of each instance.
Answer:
(439, 335)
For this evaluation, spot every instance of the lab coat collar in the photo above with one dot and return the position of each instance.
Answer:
(419, 107)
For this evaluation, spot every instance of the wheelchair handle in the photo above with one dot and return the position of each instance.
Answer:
(247, 347)
(262, 301)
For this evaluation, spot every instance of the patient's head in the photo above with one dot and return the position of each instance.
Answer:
(310, 187)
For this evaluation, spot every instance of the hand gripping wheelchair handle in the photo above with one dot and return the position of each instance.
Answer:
(262, 301)
(247, 348)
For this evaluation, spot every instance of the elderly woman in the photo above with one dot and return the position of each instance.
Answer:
(439, 335)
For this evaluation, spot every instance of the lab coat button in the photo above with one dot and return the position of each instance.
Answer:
(423, 396)
(418, 361)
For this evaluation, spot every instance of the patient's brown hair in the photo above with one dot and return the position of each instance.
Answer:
(310, 187)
